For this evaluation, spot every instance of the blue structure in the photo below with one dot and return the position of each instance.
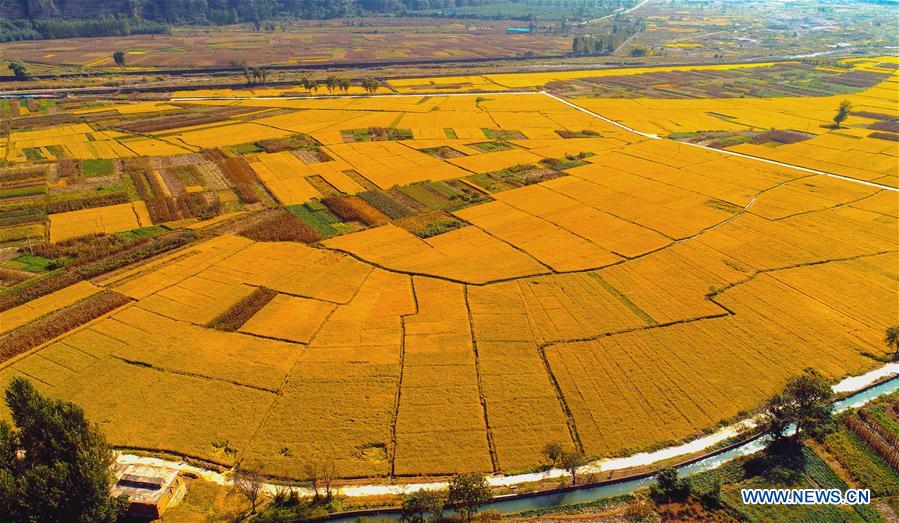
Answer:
(518, 30)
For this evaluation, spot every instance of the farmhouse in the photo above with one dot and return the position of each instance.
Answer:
(150, 490)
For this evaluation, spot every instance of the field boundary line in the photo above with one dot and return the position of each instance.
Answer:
(194, 375)
(601, 117)
(399, 382)
(563, 401)
(832, 207)
(491, 444)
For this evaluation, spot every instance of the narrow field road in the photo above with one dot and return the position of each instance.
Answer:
(723, 151)
(601, 18)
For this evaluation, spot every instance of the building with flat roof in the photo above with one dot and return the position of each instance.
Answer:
(150, 490)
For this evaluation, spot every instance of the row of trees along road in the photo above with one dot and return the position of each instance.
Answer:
(253, 75)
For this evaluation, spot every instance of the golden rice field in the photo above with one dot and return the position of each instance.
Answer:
(630, 293)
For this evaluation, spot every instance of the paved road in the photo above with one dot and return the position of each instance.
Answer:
(601, 18)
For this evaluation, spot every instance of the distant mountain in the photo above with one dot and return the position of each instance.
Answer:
(216, 11)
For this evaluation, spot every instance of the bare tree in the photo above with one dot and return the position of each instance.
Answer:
(312, 476)
(329, 470)
(320, 474)
(249, 485)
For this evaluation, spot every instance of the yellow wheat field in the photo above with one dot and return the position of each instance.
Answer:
(113, 218)
(647, 293)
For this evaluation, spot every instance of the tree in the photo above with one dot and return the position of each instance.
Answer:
(806, 402)
(309, 85)
(18, 69)
(419, 504)
(312, 476)
(370, 85)
(842, 113)
(249, 485)
(54, 465)
(669, 487)
(119, 57)
(321, 473)
(343, 84)
(258, 74)
(892, 340)
(571, 461)
(329, 470)
(467, 493)
(553, 452)
(331, 83)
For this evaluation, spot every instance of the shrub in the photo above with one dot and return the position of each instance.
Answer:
(669, 487)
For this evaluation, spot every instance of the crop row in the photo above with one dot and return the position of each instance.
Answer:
(885, 444)
(49, 327)
(240, 312)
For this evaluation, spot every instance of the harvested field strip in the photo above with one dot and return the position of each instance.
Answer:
(233, 318)
(34, 334)
(355, 209)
